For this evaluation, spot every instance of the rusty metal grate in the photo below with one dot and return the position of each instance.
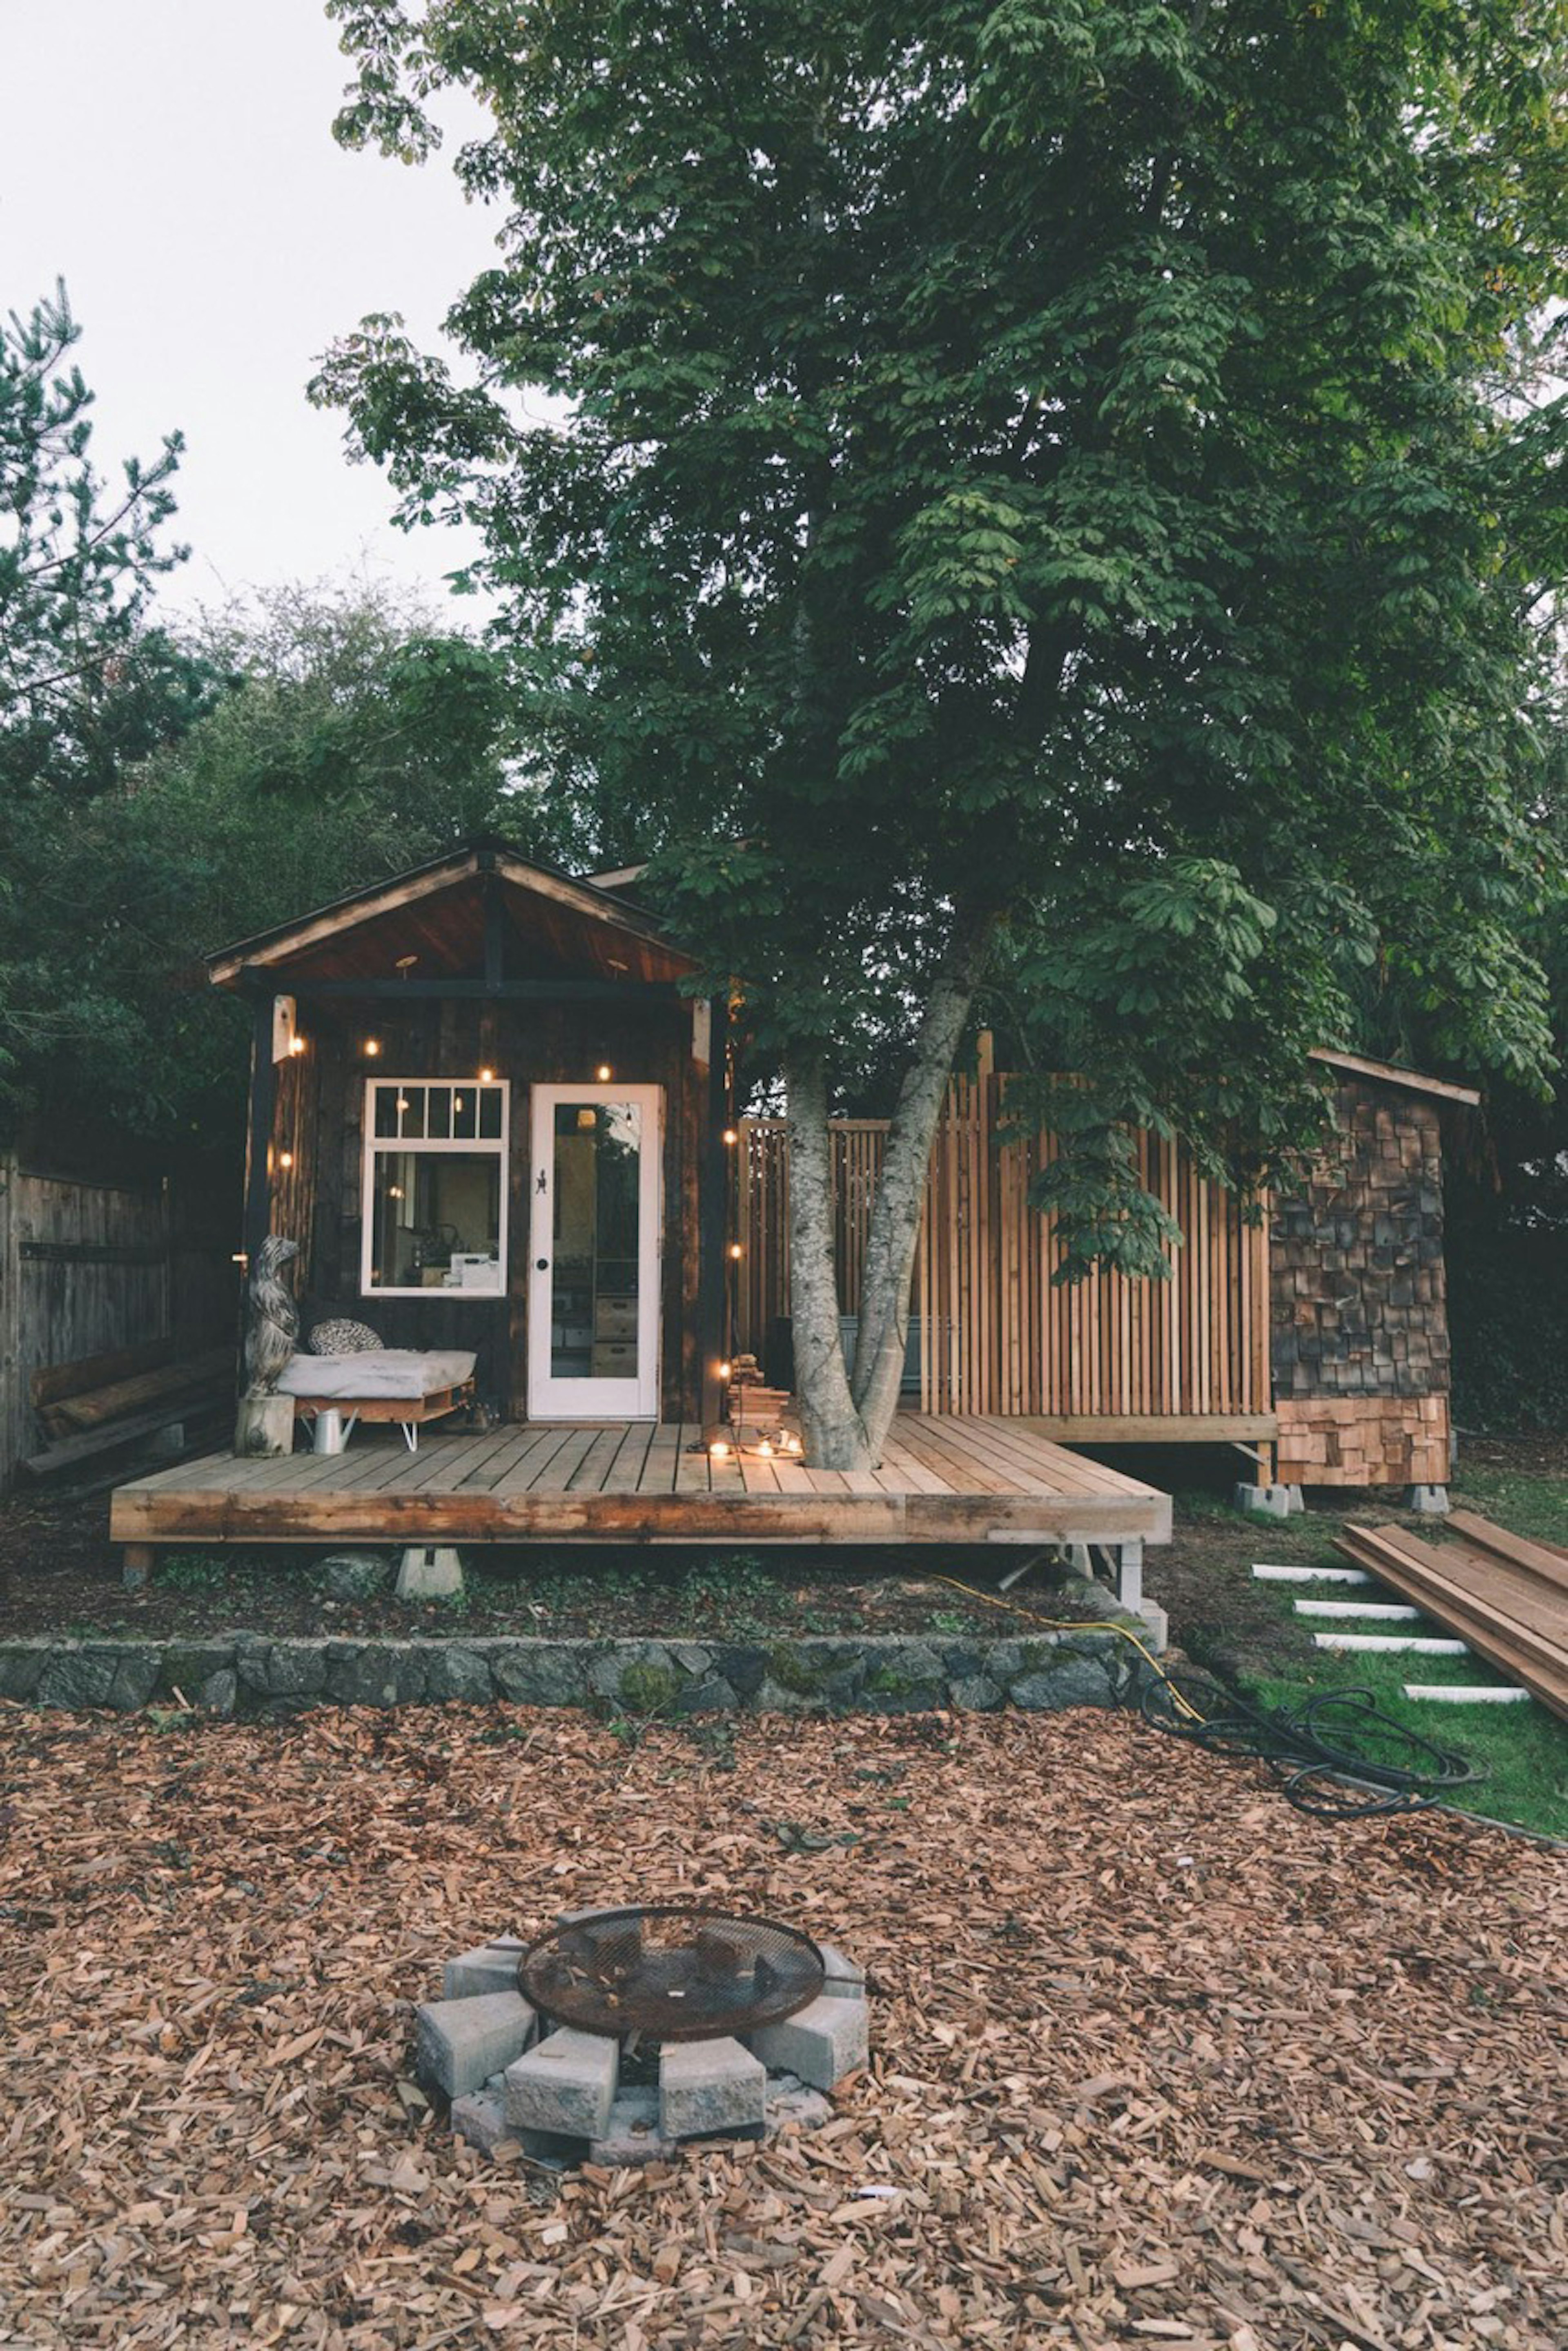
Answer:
(673, 1971)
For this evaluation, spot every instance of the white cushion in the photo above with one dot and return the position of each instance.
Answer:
(376, 1371)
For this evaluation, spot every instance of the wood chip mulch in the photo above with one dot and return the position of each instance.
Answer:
(1156, 2060)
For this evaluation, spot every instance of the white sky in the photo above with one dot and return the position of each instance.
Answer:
(174, 161)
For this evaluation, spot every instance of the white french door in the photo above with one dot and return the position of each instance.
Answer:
(594, 1248)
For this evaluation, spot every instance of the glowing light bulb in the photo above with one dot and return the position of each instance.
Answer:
(285, 1158)
(735, 1249)
(765, 1447)
(720, 1449)
(373, 1046)
(731, 1134)
(725, 1370)
(296, 1044)
(487, 1077)
(604, 1073)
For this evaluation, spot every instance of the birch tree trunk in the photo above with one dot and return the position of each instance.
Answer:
(845, 1420)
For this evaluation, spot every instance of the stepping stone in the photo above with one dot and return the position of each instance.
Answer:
(1267, 1574)
(1392, 1643)
(1392, 1612)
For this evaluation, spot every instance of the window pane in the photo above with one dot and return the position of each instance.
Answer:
(489, 1111)
(594, 1278)
(466, 1112)
(410, 1110)
(436, 1220)
(385, 1101)
(438, 1112)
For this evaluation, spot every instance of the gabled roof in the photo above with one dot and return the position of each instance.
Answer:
(1389, 1074)
(436, 914)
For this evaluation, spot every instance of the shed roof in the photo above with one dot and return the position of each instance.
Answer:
(1390, 1073)
(435, 913)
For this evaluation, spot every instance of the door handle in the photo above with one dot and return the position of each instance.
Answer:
(542, 1264)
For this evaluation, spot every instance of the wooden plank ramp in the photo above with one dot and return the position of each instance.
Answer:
(1505, 1597)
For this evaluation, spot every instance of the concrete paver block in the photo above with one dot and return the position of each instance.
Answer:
(566, 2084)
(1267, 1501)
(480, 2118)
(843, 1978)
(706, 2087)
(821, 2044)
(489, 1967)
(632, 2134)
(460, 2043)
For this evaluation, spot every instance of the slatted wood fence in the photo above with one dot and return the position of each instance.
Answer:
(995, 1335)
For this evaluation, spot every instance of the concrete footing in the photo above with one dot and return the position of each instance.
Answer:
(1431, 1501)
(430, 1573)
(1268, 1501)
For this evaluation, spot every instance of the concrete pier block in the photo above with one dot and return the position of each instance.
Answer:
(430, 1573)
(708, 2086)
(1265, 1501)
(843, 1978)
(460, 2043)
(821, 2044)
(1431, 1501)
(566, 2086)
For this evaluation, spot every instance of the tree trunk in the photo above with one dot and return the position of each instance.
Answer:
(845, 1423)
(830, 1425)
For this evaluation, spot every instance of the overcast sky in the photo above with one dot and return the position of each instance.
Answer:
(174, 161)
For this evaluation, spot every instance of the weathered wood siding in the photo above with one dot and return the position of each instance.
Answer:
(318, 1124)
(96, 1256)
(996, 1335)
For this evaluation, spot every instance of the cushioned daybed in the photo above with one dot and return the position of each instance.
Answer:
(403, 1383)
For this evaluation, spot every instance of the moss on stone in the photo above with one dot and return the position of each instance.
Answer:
(794, 1670)
(649, 1690)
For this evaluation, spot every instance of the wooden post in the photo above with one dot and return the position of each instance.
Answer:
(264, 1102)
(713, 1218)
(136, 1566)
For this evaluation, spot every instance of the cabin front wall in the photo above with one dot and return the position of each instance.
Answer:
(316, 1161)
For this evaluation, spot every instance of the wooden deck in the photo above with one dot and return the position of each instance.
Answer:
(953, 1479)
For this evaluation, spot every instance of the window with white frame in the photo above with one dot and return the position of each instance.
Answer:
(434, 1199)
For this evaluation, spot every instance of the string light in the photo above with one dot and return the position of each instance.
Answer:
(730, 1135)
(725, 1372)
(373, 1046)
(487, 1077)
(285, 1158)
(604, 1073)
(735, 1249)
(296, 1043)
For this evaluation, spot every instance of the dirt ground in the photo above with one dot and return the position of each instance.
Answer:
(1154, 2059)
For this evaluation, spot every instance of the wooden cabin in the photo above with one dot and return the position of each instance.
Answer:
(495, 1121)
(485, 1112)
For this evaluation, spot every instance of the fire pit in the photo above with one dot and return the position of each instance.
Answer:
(672, 1970)
(621, 2034)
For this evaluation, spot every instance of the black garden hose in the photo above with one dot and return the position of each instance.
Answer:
(1338, 1755)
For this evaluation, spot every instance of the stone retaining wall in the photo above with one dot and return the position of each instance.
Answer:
(249, 1675)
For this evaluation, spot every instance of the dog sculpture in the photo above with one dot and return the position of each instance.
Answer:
(273, 1324)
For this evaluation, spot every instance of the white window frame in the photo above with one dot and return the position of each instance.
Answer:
(372, 1144)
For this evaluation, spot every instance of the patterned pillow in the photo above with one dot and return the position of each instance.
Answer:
(342, 1337)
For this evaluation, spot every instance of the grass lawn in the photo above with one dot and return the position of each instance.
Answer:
(1250, 1635)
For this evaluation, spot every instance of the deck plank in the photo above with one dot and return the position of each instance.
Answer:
(965, 1479)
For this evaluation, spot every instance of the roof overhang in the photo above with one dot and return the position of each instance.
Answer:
(434, 919)
(1390, 1073)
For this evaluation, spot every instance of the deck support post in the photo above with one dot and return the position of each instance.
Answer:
(1128, 1560)
(136, 1566)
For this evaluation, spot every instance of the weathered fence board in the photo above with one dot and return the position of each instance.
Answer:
(996, 1335)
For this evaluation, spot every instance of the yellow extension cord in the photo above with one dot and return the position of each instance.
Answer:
(1060, 1625)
